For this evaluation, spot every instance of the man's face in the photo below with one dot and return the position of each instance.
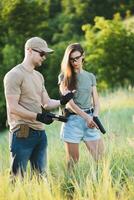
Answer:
(38, 57)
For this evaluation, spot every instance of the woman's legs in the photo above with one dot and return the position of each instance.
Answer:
(96, 148)
(72, 153)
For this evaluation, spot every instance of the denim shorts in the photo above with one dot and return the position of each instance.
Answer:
(76, 130)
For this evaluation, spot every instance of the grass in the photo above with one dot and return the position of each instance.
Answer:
(114, 178)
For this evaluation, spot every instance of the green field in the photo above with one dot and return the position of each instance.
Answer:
(114, 178)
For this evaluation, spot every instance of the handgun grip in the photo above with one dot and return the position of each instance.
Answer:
(99, 124)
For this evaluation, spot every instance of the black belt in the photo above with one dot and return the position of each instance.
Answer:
(87, 111)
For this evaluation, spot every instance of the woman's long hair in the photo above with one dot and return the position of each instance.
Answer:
(69, 80)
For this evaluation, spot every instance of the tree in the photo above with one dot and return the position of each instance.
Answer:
(111, 50)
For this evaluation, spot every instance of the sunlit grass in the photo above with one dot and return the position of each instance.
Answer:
(117, 100)
(112, 179)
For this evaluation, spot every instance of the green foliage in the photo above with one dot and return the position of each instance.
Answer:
(9, 61)
(110, 49)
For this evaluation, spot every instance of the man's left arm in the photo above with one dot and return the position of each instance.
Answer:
(49, 103)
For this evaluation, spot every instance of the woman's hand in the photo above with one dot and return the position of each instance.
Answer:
(91, 123)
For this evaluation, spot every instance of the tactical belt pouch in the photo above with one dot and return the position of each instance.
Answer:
(23, 132)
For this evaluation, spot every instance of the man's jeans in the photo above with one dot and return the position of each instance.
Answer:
(33, 148)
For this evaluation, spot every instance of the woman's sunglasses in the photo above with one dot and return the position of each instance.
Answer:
(42, 53)
(75, 58)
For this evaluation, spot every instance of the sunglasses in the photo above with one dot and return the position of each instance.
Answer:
(42, 53)
(75, 59)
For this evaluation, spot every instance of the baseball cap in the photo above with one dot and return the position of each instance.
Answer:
(38, 44)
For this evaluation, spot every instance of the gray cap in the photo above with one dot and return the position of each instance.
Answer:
(38, 44)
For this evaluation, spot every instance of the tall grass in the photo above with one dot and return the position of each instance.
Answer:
(112, 179)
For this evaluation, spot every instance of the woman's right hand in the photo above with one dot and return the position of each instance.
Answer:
(90, 122)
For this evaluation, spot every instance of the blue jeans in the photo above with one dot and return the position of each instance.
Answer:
(33, 149)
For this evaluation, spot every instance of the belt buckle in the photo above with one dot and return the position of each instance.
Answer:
(90, 110)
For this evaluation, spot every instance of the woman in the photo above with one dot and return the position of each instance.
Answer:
(80, 125)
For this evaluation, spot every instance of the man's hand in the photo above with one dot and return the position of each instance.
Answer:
(44, 118)
(65, 98)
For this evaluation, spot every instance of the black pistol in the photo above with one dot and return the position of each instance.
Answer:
(99, 124)
(56, 117)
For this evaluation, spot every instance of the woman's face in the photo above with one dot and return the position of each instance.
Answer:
(75, 59)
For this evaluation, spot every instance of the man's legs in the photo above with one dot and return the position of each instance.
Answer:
(38, 157)
(32, 148)
(20, 154)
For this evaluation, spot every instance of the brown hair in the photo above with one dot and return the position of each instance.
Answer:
(69, 80)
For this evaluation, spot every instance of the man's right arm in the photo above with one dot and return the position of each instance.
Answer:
(15, 108)
(12, 95)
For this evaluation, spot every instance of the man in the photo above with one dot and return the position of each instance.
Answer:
(25, 93)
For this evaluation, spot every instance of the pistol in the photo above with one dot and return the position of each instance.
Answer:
(56, 117)
(99, 124)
